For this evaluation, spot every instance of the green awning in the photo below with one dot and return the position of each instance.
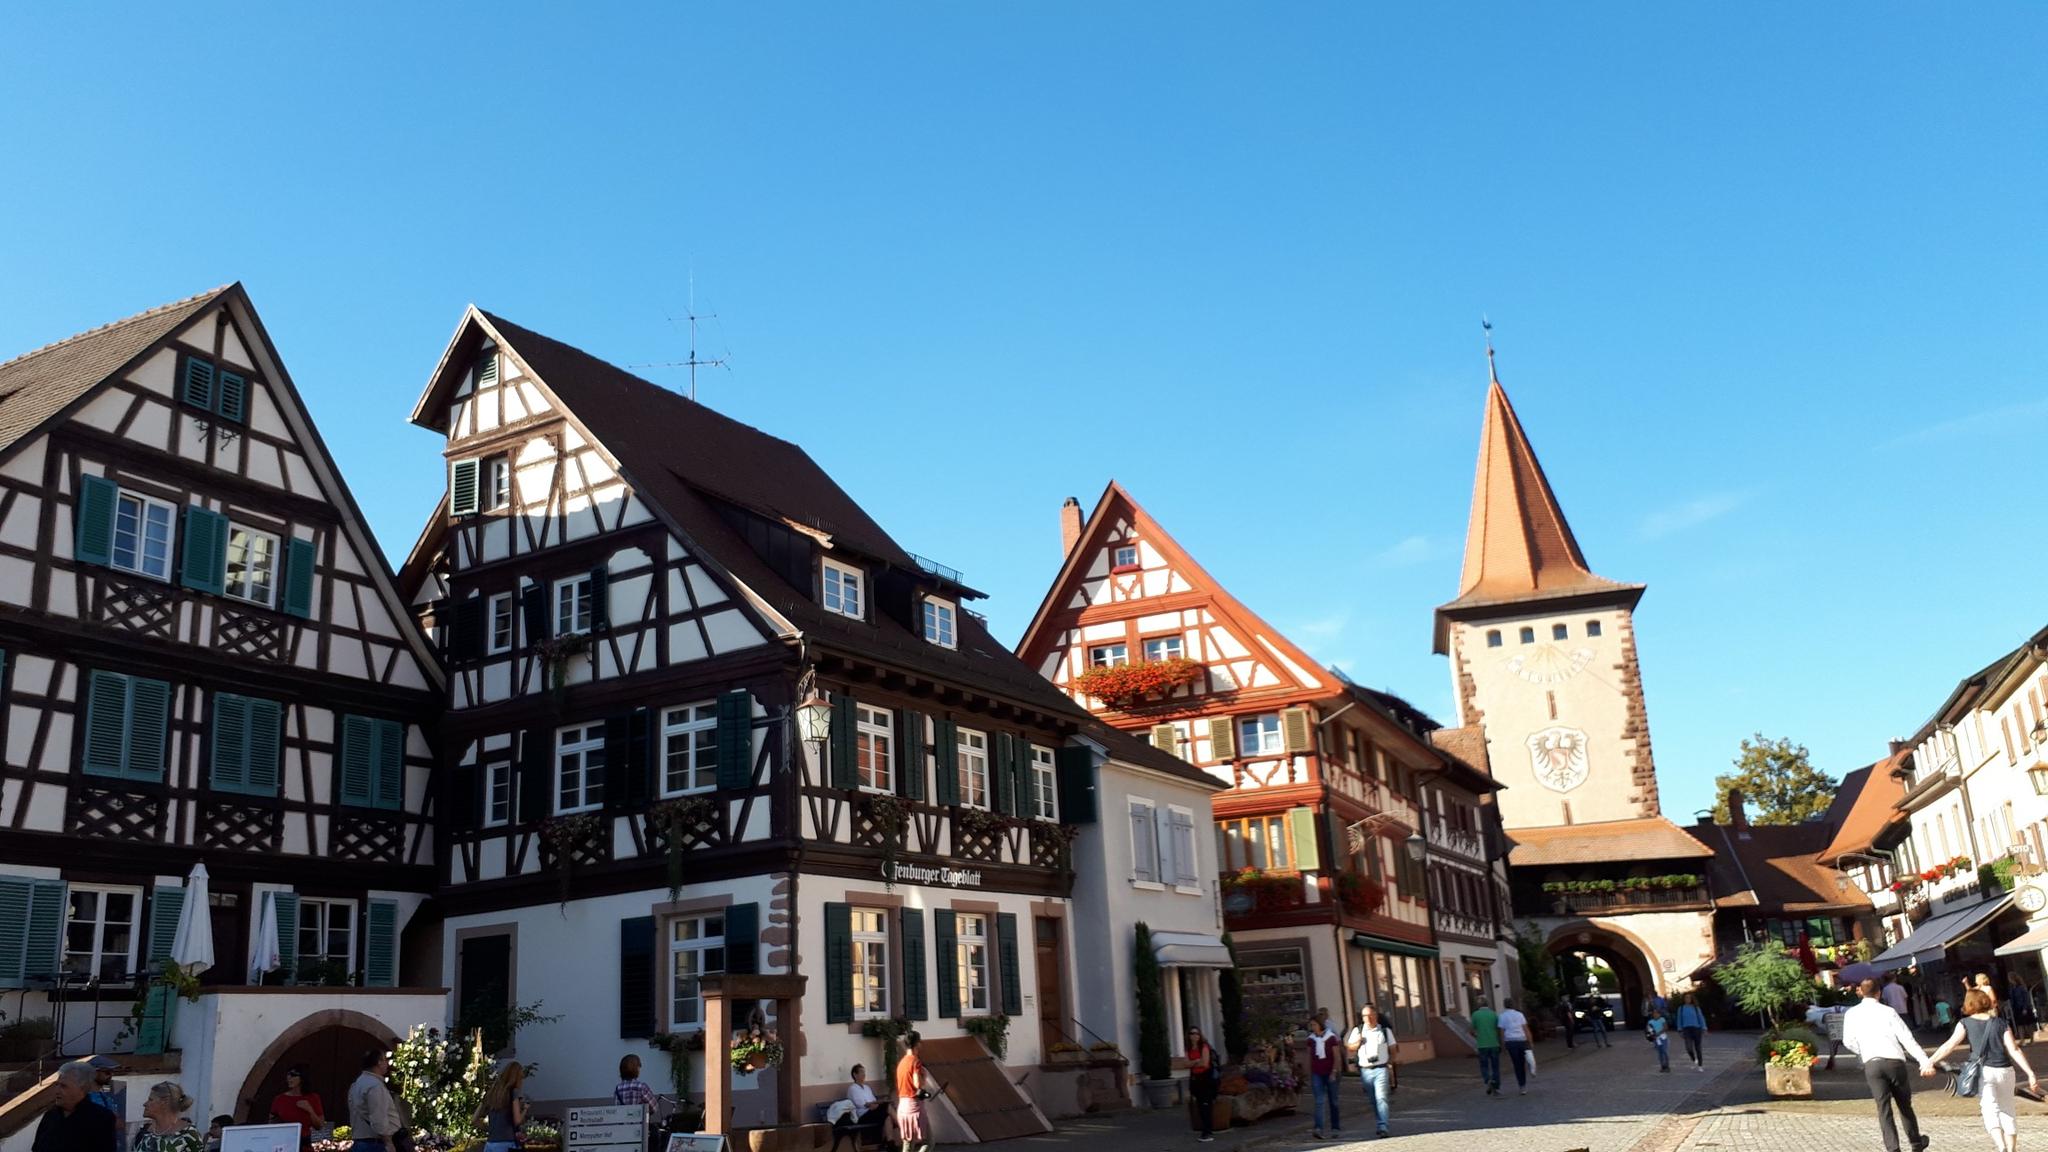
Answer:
(1397, 947)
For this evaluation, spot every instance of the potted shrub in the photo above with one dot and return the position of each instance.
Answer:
(1788, 1067)
(1766, 979)
(1154, 1057)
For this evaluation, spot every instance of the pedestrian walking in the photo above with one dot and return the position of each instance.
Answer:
(1895, 996)
(1324, 1061)
(1566, 1018)
(1995, 1052)
(1874, 1031)
(164, 1127)
(1596, 1015)
(1659, 1031)
(914, 1086)
(1372, 1044)
(2021, 998)
(112, 1095)
(74, 1123)
(1692, 1026)
(1943, 1014)
(300, 1105)
(1486, 1038)
(372, 1115)
(503, 1109)
(1514, 1036)
(1205, 1073)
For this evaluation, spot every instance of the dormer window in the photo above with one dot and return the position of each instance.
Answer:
(1124, 557)
(938, 622)
(487, 366)
(842, 591)
(214, 390)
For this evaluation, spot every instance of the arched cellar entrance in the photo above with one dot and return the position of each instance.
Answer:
(1632, 966)
(331, 1045)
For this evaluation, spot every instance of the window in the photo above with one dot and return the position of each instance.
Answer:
(326, 931)
(1560, 632)
(1125, 556)
(871, 744)
(1045, 804)
(973, 759)
(127, 721)
(487, 368)
(1260, 735)
(1163, 648)
(142, 536)
(99, 933)
(970, 950)
(842, 589)
(1180, 850)
(252, 565)
(579, 769)
(1493, 638)
(220, 391)
(1257, 842)
(938, 623)
(1528, 635)
(372, 761)
(572, 606)
(1145, 854)
(1108, 655)
(696, 948)
(1275, 983)
(497, 483)
(689, 749)
(246, 739)
(870, 963)
(497, 793)
(500, 639)
(1592, 628)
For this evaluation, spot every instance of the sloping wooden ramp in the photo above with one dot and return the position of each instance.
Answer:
(978, 1093)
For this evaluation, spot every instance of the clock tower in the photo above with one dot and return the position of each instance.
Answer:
(1543, 652)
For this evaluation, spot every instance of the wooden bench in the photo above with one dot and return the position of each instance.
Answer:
(868, 1130)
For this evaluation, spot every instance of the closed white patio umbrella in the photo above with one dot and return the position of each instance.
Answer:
(192, 947)
(265, 953)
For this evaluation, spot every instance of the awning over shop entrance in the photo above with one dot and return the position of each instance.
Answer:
(1397, 947)
(1936, 934)
(1190, 950)
(2032, 942)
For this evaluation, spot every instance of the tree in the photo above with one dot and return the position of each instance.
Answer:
(1232, 996)
(1155, 1059)
(1765, 979)
(1539, 977)
(1778, 780)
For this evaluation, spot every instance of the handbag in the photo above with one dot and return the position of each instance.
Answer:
(1970, 1079)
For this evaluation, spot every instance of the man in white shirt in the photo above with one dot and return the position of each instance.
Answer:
(1874, 1032)
(1372, 1044)
(1514, 1037)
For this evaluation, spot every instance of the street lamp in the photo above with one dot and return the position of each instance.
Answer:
(1416, 846)
(814, 719)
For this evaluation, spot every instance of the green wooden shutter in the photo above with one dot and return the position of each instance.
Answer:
(49, 907)
(380, 946)
(1006, 951)
(838, 963)
(266, 746)
(1301, 828)
(234, 397)
(300, 561)
(286, 907)
(198, 383)
(1021, 777)
(464, 801)
(1077, 785)
(230, 738)
(463, 484)
(149, 727)
(743, 938)
(390, 764)
(914, 991)
(467, 625)
(92, 520)
(106, 724)
(487, 374)
(910, 755)
(536, 774)
(16, 894)
(157, 1006)
(204, 561)
(165, 906)
(945, 763)
(356, 760)
(636, 979)
(735, 740)
(1002, 770)
(841, 769)
(945, 950)
(628, 764)
(533, 613)
(600, 598)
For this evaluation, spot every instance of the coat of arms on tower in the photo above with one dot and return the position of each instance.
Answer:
(1558, 756)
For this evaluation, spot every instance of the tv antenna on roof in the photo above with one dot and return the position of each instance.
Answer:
(694, 362)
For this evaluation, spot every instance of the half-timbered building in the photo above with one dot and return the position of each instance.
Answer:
(710, 729)
(1327, 901)
(206, 661)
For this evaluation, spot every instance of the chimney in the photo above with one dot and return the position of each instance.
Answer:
(1736, 819)
(1895, 747)
(1070, 526)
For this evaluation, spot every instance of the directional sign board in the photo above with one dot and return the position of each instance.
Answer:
(696, 1142)
(614, 1128)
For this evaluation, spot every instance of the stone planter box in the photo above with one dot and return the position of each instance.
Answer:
(1788, 1082)
(1064, 1058)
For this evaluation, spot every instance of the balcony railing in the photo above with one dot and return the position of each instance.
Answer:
(1270, 893)
(1590, 902)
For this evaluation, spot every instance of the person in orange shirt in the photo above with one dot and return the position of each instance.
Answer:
(911, 1091)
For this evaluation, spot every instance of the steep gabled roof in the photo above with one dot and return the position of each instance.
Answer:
(1772, 868)
(1873, 808)
(1129, 749)
(36, 386)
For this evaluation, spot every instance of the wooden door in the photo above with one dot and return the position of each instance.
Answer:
(1052, 983)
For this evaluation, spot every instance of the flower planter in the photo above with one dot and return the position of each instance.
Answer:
(1160, 1093)
(1788, 1082)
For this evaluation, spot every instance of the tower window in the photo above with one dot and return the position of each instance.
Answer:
(1592, 628)
(1493, 638)
(1528, 635)
(1560, 631)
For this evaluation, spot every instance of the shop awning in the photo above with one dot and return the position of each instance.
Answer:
(1397, 947)
(2032, 942)
(1937, 934)
(1190, 950)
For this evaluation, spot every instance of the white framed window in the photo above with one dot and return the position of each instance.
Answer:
(972, 757)
(842, 589)
(689, 749)
(572, 605)
(938, 622)
(252, 565)
(1045, 800)
(873, 738)
(497, 483)
(579, 769)
(501, 618)
(1260, 735)
(497, 793)
(696, 949)
(1163, 648)
(100, 932)
(870, 963)
(1125, 556)
(142, 535)
(1109, 655)
(327, 930)
(970, 956)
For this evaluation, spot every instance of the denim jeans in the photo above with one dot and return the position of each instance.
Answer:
(1518, 1051)
(1375, 1081)
(1325, 1088)
(1664, 1051)
(1489, 1066)
(1599, 1029)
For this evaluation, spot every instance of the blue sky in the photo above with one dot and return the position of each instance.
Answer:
(1765, 280)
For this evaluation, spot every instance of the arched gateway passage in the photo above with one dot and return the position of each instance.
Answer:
(1634, 969)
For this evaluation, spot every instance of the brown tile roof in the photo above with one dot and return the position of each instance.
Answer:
(1771, 867)
(37, 385)
(1134, 749)
(1873, 808)
(1466, 748)
(1610, 842)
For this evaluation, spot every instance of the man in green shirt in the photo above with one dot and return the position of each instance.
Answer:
(1486, 1035)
